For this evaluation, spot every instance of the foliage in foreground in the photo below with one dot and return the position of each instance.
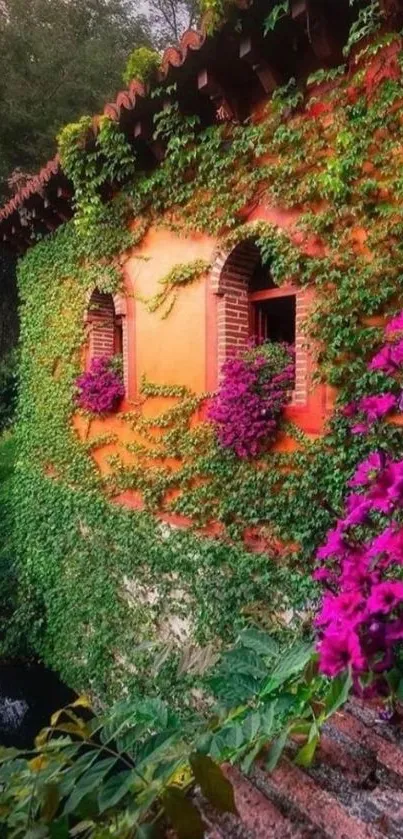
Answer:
(90, 568)
(132, 771)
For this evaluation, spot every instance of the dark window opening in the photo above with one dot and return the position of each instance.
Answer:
(261, 278)
(275, 319)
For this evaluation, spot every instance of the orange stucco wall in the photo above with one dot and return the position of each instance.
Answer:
(180, 349)
(170, 351)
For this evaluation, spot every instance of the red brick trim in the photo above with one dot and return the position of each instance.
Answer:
(103, 314)
(230, 278)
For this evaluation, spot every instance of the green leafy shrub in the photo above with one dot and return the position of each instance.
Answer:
(142, 65)
(131, 768)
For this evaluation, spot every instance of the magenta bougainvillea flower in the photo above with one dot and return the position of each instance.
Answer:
(376, 407)
(395, 325)
(101, 388)
(360, 623)
(369, 410)
(368, 470)
(255, 388)
(389, 359)
(388, 544)
(385, 598)
(340, 648)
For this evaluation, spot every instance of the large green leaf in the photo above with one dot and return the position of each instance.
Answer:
(245, 661)
(250, 756)
(251, 725)
(184, 816)
(338, 693)
(276, 750)
(293, 662)
(156, 746)
(306, 754)
(50, 802)
(213, 783)
(259, 641)
(89, 781)
(113, 790)
(234, 689)
(234, 736)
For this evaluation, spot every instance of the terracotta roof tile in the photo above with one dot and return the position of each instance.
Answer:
(35, 185)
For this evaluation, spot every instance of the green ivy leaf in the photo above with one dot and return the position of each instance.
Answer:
(261, 642)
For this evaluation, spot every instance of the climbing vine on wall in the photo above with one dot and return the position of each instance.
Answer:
(336, 158)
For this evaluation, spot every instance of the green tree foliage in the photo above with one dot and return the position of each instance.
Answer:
(64, 58)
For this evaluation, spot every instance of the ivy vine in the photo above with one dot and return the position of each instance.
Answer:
(101, 584)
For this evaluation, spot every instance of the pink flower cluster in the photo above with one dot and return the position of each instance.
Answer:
(369, 410)
(100, 389)
(253, 393)
(361, 564)
(361, 617)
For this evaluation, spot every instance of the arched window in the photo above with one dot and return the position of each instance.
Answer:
(105, 327)
(250, 305)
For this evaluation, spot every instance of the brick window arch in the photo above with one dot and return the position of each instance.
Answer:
(250, 305)
(106, 323)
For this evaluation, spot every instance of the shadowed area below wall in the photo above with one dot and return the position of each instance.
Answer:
(29, 695)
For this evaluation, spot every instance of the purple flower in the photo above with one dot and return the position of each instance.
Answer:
(339, 649)
(395, 325)
(376, 407)
(382, 361)
(254, 391)
(358, 508)
(389, 359)
(389, 543)
(348, 607)
(334, 544)
(350, 410)
(360, 428)
(385, 597)
(99, 390)
(388, 489)
(367, 471)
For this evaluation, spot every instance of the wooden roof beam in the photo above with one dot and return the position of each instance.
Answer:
(225, 108)
(317, 20)
(269, 76)
(144, 131)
